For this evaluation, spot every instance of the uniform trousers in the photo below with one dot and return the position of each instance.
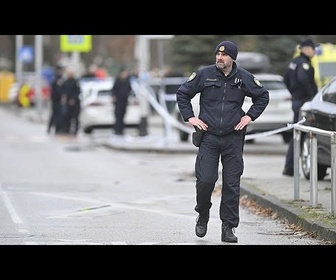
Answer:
(289, 162)
(229, 150)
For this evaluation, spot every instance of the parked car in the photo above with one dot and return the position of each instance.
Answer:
(320, 112)
(97, 107)
(279, 111)
(276, 115)
(254, 62)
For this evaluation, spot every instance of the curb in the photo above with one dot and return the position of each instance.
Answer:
(294, 215)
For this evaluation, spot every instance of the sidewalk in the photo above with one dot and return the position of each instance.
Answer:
(262, 180)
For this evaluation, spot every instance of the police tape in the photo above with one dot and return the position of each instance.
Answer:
(272, 132)
(147, 91)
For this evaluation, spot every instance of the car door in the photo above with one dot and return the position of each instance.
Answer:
(323, 111)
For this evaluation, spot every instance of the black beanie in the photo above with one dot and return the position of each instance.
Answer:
(229, 48)
(308, 43)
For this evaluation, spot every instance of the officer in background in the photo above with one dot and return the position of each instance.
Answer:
(55, 98)
(71, 95)
(300, 81)
(223, 87)
(120, 92)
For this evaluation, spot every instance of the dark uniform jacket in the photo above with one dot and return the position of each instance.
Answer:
(299, 78)
(56, 90)
(121, 89)
(72, 90)
(222, 97)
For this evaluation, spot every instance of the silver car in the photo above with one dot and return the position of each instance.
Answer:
(320, 113)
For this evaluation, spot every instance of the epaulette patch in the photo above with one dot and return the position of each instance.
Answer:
(192, 76)
(257, 82)
(305, 66)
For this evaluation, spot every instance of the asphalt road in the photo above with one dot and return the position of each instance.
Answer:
(62, 191)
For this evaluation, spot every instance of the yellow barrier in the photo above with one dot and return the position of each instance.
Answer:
(324, 62)
(6, 80)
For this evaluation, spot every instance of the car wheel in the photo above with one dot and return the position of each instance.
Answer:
(305, 161)
(287, 136)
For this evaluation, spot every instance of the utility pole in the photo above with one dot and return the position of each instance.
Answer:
(142, 53)
(38, 72)
(18, 62)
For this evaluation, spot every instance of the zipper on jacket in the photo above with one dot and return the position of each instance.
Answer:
(222, 109)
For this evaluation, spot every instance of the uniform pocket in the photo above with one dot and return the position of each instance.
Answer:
(212, 90)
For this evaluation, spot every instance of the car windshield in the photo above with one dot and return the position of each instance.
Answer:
(273, 85)
(329, 92)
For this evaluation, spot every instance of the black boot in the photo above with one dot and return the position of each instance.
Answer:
(288, 172)
(201, 225)
(227, 233)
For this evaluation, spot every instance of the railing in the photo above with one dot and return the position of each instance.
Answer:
(313, 132)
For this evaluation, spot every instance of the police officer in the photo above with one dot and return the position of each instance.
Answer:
(120, 92)
(223, 87)
(300, 81)
(55, 97)
(71, 92)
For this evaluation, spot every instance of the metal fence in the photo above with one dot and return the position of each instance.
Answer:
(313, 132)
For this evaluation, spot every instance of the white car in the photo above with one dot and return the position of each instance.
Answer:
(277, 114)
(97, 109)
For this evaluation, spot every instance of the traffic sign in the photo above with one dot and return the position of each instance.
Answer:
(76, 43)
(26, 54)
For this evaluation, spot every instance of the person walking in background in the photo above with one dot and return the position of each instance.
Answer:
(223, 87)
(120, 92)
(55, 98)
(300, 81)
(71, 91)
